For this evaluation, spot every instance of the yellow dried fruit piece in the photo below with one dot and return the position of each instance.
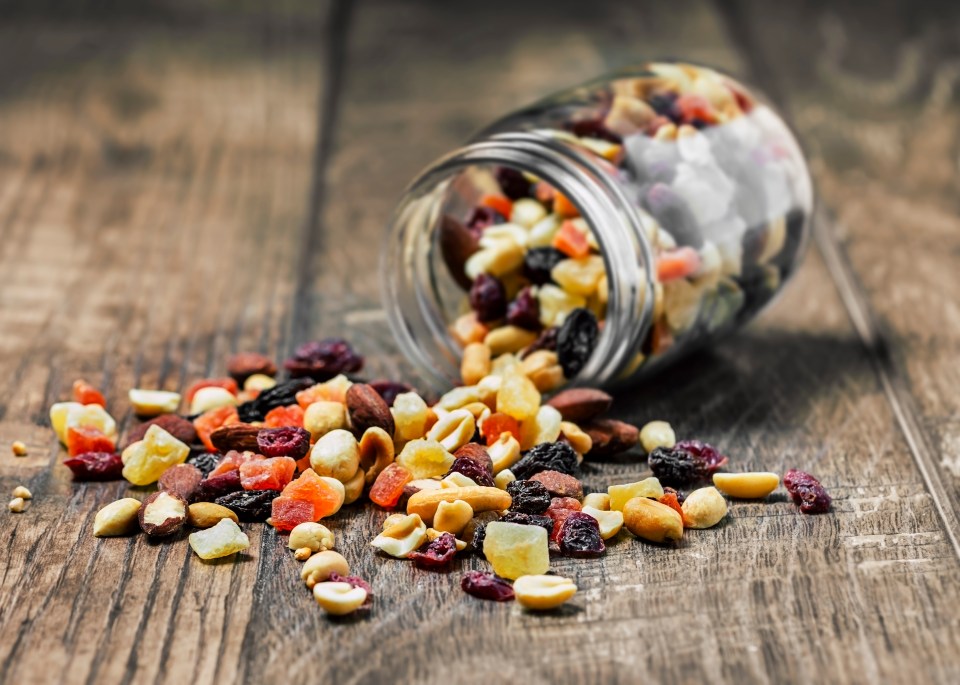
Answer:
(555, 303)
(425, 459)
(475, 363)
(146, 460)
(515, 550)
(544, 427)
(541, 592)
(153, 402)
(117, 518)
(410, 416)
(579, 276)
(704, 508)
(518, 397)
(621, 494)
(221, 540)
(64, 415)
(752, 485)
(652, 520)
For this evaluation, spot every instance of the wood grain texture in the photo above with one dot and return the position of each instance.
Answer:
(199, 181)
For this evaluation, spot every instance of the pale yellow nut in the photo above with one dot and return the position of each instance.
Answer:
(353, 488)
(392, 520)
(504, 478)
(259, 382)
(538, 361)
(323, 417)
(549, 378)
(17, 505)
(319, 567)
(153, 402)
(480, 498)
(475, 363)
(544, 427)
(452, 517)
(505, 452)
(339, 599)
(508, 339)
(518, 397)
(337, 455)
(603, 291)
(409, 416)
(454, 430)
(656, 434)
(681, 303)
(610, 521)
(206, 399)
(495, 236)
(117, 518)
(527, 212)
(457, 480)
(399, 526)
(467, 329)
(652, 520)
(19, 448)
(496, 259)
(339, 487)
(302, 554)
(597, 500)
(487, 390)
(459, 397)
(555, 303)
(621, 494)
(402, 538)
(579, 276)
(704, 508)
(314, 536)
(21, 491)
(752, 485)
(543, 232)
(376, 452)
(433, 534)
(579, 440)
(478, 410)
(628, 115)
(543, 592)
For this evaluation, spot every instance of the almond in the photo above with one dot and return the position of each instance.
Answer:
(162, 513)
(241, 437)
(581, 404)
(208, 514)
(368, 410)
(457, 243)
(610, 437)
(245, 364)
(182, 479)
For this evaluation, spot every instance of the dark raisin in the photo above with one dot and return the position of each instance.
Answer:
(528, 496)
(546, 341)
(485, 585)
(482, 217)
(665, 104)
(580, 536)
(524, 311)
(488, 298)
(544, 522)
(205, 461)
(389, 390)
(249, 505)
(593, 128)
(512, 182)
(807, 492)
(472, 470)
(539, 262)
(321, 360)
(280, 395)
(707, 454)
(547, 456)
(685, 463)
(95, 466)
(217, 486)
(355, 581)
(283, 442)
(438, 555)
(575, 341)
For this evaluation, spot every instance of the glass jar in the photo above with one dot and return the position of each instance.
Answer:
(619, 224)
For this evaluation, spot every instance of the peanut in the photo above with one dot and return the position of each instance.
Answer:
(452, 517)
(754, 485)
(314, 536)
(651, 520)
(457, 480)
(508, 339)
(504, 478)
(597, 500)
(21, 491)
(543, 592)
(479, 498)
(578, 439)
(403, 537)
(543, 427)
(704, 508)
(657, 434)
(454, 430)
(259, 382)
(206, 399)
(339, 599)
(319, 567)
(505, 452)
(475, 363)
(610, 521)
(353, 488)
(17, 505)
(153, 402)
(117, 518)
(302, 554)
(376, 452)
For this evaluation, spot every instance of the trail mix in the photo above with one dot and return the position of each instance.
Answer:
(716, 177)
(489, 469)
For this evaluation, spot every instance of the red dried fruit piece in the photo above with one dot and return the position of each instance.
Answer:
(182, 480)
(485, 585)
(242, 365)
(84, 393)
(284, 442)
(290, 416)
(214, 487)
(83, 439)
(96, 466)
(565, 503)
(267, 474)
(310, 487)
(227, 384)
(438, 555)
(558, 516)
(579, 536)
(524, 311)
(287, 513)
(388, 487)
(696, 108)
(807, 492)
(211, 420)
(175, 425)
(324, 359)
(232, 460)
(497, 424)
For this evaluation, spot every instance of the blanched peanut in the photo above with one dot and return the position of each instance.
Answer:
(657, 434)
(319, 567)
(504, 453)
(543, 592)
(652, 520)
(704, 508)
(538, 361)
(117, 518)
(578, 439)
(754, 485)
(21, 491)
(457, 480)
(459, 398)
(468, 329)
(322, 417)
(376, 452)
(336, 455)
(339, 599)
(259, 382)
(544, 427)
(597, 500)
(17, 505)
(610, 521)
(504, 478)
(314, 536)
(454, 430)
(353, 488)
(302, 554)
(475, 363)
(403, 537)
(508, 339)
(452, 517)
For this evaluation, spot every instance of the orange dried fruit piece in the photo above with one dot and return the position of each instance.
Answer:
(678, 263)
(233, 460)
(227, 384)
(498, 203)
(83, 439)
(496, 425)
(388, 487)
(571, 241)
(290, 416)
(267, 474)
(85, 393)
(310, 487)
(563, 206)
(210, 421)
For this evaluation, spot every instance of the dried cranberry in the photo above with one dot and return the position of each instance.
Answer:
(528, 496)
(482, 217)
(438, 554)
(212, 488)
(576, 340)
(389, 390)
(512, 182)
(283, 442)
(707, 454)
(546, 341)
(524, 311)
(472, 470)
(95, 466)
(685, 463)
(547, 456)
(559, 516)
(249, 505)
(280, 395)
(807, 492)
(485, 585)
(488, 298)
(321, 360)
(355, 581)
(477, 453)
(580, 536)
(544, 522)
(539, 262)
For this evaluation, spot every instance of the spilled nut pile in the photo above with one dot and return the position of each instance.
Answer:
(489, 468)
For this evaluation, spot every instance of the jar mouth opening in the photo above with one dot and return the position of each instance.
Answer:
(413, 288)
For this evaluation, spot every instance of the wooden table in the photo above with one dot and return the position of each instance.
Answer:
(189, 179)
